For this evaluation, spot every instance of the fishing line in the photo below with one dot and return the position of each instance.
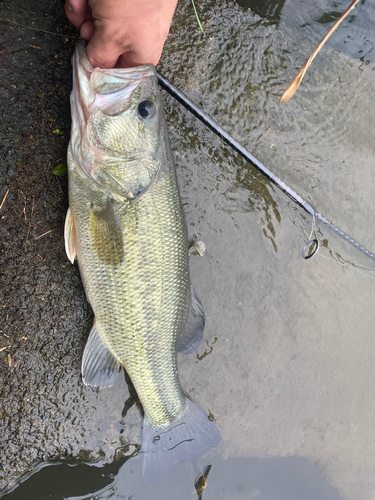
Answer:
(219, 131)
(312, 246)
(347, 267)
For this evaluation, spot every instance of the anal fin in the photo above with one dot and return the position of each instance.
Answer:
(99, 367)
(193, 334)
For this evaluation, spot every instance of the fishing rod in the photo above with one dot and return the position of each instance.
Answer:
(212, 125)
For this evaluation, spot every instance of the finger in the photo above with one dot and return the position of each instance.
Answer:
(131, 59)
(87, 30)
(76, 11)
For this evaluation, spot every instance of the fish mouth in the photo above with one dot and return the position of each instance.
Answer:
(102, 87)
(137, 72)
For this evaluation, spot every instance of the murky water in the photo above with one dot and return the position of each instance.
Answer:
(287, 361)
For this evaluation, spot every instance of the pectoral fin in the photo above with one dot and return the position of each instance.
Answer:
(193, 334)
(70, 237)
(106, 234)
(99, 367)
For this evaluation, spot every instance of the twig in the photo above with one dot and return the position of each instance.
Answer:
(28, 232)
(37, 29)
(3, 348)
(5, 197)
(37, 237)
(294, 84)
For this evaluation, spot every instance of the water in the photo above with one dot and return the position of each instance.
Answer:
(240, 479)
(287, 361)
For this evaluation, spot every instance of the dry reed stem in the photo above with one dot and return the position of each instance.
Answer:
(294, 84)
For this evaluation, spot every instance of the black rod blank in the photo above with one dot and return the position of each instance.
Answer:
(212, 125)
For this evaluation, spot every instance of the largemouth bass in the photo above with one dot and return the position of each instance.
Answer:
(126, 227)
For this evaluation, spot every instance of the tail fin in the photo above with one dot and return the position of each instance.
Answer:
(185, 439)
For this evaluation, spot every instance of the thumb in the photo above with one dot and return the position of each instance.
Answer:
(103, 53)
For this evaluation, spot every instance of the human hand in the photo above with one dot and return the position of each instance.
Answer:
(122, 33)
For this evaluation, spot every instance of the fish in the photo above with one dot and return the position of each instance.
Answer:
(126, 227)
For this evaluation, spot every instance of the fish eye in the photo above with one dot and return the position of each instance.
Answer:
(146, 109)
